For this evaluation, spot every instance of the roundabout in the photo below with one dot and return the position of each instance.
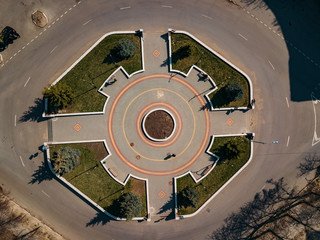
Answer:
(48, 54)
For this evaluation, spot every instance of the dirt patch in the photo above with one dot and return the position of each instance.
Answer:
(98, 148)
(159, 124)
(39, 19)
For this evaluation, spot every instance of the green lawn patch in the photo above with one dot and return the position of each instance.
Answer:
(92, 180)
(219, 71)
(95, 68)
(222, 172)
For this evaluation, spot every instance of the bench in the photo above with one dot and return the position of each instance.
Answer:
(205, 172)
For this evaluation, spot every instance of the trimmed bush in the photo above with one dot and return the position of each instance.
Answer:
(65, 160)
(234, 91)
(125, 49)
(59, 96)
(190, 197)
(130, 205)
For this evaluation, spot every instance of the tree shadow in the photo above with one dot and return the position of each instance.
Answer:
(311, 163)
(41, 174)
(100, 218)
(34, 113)
(272, 213)
(299, 23)
(168, 206)
(113, 57)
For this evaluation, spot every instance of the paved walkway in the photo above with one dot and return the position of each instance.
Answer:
(120, 126)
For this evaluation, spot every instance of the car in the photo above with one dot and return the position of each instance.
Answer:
(7, 35)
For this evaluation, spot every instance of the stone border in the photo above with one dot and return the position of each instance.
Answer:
(44, 15)
(146, 133)
(83, 195)
(196, 181)
(44, 114)
(210, 79)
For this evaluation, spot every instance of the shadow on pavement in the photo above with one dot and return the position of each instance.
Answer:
(100, 218)
(168, 209)
(299, 23)
(34, 113)
(41, 174)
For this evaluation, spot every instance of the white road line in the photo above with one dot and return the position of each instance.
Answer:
(123, 8)
(288, 141)
(27, 82)
(86, 22)
(242, 37)
(15, 120)
(22, 161)
(53, 49)
(287, 102)
(271, 65)
(65, 12)
(262, 188)
(45, 193)
(70, 9)
(203, 15)
(166, 6)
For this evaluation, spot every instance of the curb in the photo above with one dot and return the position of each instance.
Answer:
(178, 217)
(44, 114)
(170, 30)
(87, 198)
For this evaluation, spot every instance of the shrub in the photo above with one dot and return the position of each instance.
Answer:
(229, 151)
(130, 205)
(190, 197)
(125, 48)
(59, 96)
(65, 160)
(234, 91)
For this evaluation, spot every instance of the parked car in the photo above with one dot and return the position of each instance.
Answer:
(7, 35)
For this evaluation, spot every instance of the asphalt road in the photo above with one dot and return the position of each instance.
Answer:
(233, 33)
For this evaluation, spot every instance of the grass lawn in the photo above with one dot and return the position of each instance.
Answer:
(95, 68)
(222, 172)
(219, 71)
(92, 180)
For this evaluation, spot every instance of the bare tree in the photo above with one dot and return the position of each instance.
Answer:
(277, 213)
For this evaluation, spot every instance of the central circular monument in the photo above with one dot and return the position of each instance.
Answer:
(158, 125)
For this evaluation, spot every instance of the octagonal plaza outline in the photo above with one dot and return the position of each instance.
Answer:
(132, 155)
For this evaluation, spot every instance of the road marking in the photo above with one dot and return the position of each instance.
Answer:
(15, 120)
(262, 188)
(288, 141)
(53, 49)
(65, 12)
(27, 82)
(40, 33)
(287, 102)
(315, 101)
(123, 8)
(70, 9)
(271, 65)
(203, 15)
(45, 193)
(22, 161)
(166, 6)
(19, 51)
(86, 22)
(61, 16)
(242, 36)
